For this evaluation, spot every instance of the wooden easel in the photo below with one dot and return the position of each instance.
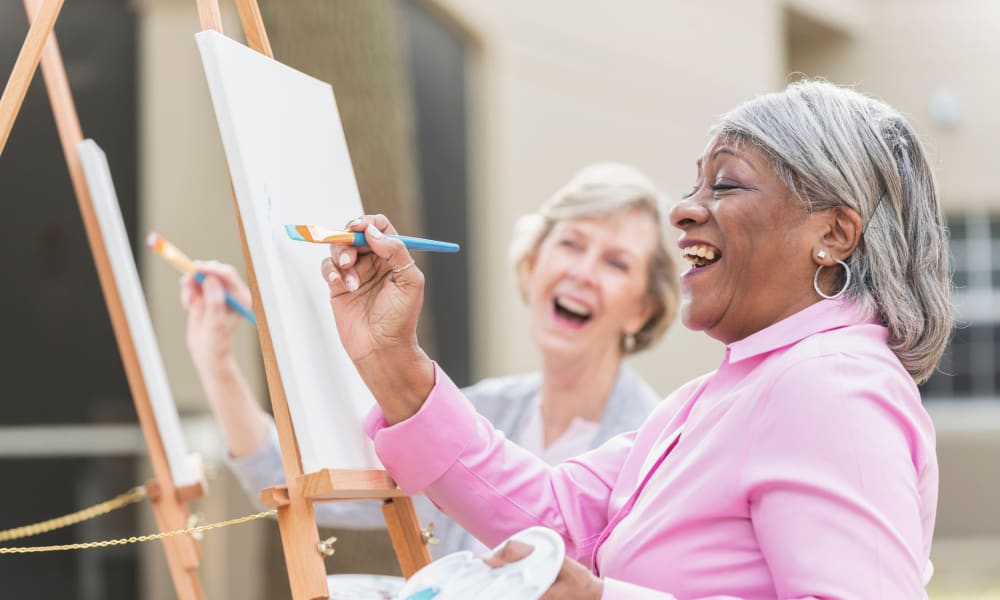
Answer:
(169, 501)
(299, 534)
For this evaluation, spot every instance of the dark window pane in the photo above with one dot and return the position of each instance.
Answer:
(436, 55)
(959, 274)
(956, 228)
(960, 362)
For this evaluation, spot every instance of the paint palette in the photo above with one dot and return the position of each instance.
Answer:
(363, 587)
(462, 576)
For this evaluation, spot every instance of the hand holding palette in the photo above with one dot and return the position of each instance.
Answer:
(462, 576)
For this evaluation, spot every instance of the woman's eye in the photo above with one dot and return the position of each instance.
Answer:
(567, 243)
(618, 264)
(723, 187)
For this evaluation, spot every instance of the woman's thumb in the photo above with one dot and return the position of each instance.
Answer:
(214, 293)
(391, 250)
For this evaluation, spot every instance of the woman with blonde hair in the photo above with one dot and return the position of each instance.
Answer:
(595, 274)
(804, 466)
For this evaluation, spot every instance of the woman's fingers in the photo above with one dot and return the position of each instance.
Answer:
(333, 278)
(355, 265)
(512, 551)
(380, 221)
(393, 253)
(187, 292)
(215, 297)
(195, 304)
(345, 257)
(229, 277)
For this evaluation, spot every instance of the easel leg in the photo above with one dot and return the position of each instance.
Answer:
(299, 538)
(182, 551)
(404, 531)
(170, 513)
(24, 67)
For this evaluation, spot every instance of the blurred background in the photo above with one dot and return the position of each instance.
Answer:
(460, 116)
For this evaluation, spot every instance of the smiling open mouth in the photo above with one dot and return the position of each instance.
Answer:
(571, 310)
(701, 255)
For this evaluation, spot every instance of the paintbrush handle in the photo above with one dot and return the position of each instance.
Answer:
(232, 302)
(412, 243)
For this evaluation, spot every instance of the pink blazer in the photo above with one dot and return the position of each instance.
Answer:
(803, 467)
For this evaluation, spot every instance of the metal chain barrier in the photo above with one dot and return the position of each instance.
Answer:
(137, 539)
(130, 497)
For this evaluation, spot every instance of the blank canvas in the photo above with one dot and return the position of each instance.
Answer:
(109, 218)
(289, 164)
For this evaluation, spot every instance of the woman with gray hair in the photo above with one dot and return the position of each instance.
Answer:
(594, 271)
(804, 466)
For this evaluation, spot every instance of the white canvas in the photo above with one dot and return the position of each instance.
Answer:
(109, 218)
(289, 164)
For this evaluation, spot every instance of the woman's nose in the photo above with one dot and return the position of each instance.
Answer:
(585, 268)
(687, 212)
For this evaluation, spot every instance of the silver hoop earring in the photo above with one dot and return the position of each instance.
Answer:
(847, 281)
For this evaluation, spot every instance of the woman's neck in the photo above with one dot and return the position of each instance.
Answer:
(577, 387)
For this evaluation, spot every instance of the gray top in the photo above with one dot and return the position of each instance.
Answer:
(504, 401)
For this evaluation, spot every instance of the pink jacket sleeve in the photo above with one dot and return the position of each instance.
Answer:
(490, 486)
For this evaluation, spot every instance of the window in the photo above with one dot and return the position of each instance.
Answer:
(969, 370)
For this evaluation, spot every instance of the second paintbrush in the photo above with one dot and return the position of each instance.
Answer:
(325, 235)
(182, 263)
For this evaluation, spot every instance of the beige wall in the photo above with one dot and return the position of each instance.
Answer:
(906, 52)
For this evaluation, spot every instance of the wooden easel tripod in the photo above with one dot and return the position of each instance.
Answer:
(299, 535)
(169, 501)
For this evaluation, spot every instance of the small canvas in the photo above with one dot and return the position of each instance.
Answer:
(183, 468)
(289, 164)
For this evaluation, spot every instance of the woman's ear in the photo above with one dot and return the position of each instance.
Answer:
(843, 229)
(523, 273)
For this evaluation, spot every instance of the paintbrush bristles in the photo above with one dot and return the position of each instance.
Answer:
(170, 253)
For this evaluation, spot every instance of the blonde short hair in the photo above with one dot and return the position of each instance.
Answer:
(835, 147)
(595, 191)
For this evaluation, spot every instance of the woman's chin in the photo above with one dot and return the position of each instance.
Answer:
(556, 344)
(562, 344)
(696, 318)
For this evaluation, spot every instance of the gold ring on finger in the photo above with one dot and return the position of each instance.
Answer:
(404, 267)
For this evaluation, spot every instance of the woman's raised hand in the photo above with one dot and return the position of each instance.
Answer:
(211, 325)
(211, 330)
(376, 294)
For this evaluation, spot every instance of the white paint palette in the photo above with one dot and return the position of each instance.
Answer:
(461, 576)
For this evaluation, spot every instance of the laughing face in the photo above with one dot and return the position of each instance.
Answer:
(587, 283)
(748, 240)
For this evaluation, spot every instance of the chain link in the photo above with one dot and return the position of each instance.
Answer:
(137, 539)
(130, 497)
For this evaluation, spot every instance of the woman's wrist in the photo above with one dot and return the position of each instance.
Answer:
(401, 379)
(217, 371)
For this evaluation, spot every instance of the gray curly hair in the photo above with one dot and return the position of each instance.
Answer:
(835, 147)
(595, 191)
